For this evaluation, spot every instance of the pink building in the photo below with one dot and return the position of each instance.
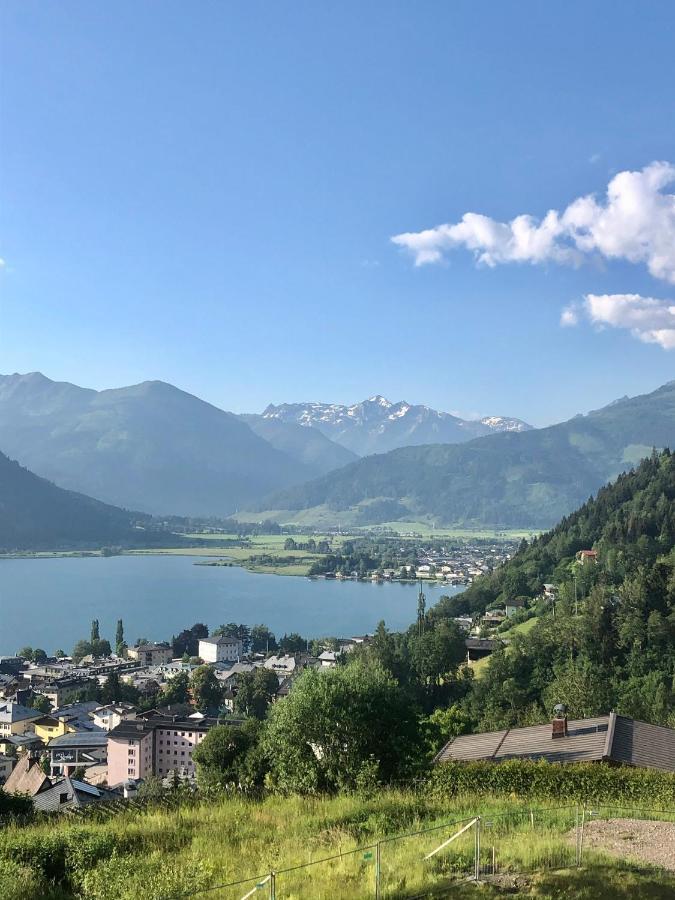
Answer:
(138, 748)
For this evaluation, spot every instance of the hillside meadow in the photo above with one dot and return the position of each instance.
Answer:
(200, 845)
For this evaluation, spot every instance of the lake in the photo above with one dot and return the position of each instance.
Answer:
(49, 603)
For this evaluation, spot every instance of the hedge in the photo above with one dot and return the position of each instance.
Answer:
(541, 780)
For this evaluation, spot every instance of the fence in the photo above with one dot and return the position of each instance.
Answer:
(479, 848)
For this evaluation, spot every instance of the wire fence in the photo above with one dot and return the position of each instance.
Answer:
(477, 848)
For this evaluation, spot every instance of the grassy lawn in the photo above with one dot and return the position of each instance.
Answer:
(165, 853)
(521, 628)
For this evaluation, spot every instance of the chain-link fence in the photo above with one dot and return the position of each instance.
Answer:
(478, 848)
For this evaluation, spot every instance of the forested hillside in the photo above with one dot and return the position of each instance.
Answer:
(609, 642)
(35, 514)
(521, 480)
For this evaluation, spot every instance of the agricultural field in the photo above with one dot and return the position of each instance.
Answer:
(262, 553)
(197, 847)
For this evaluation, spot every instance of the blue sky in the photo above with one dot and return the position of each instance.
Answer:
(206, 193)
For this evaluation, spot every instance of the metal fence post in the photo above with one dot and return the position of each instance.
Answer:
(477, 850)
(581, 834)
(273, 888)
(377, 869)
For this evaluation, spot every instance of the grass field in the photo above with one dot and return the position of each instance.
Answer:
(172, 853)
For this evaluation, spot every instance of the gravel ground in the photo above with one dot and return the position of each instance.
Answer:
(639, 839)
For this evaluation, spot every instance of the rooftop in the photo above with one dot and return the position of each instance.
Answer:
(609, 737)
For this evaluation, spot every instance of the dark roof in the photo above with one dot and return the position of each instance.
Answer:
(134, 728)
(608, 737)
(482, 644)
(97, 738)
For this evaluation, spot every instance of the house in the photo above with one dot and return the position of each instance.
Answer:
(49, 727)
(513, 606)
(329, 659)
(67, 793)
(587, 556)
(77, 750)
(156, 746)
(608, 738)
(550, 591)
(110, 716)
(220, 648)
(27, 777)
(16, 719)
(478, 648)
(6, 766)
(157, 654)
(20, 743)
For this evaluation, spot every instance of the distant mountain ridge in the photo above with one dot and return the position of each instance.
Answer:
(149, 446)
(526, 479)
(377, 425)
(35, 514)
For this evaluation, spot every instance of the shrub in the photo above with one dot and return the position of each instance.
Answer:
(540, 780)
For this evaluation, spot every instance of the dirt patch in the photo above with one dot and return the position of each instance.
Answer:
(637, 839)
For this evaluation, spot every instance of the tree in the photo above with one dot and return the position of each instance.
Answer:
(230, 755)
(289, 544)
(41, 703)
(177, 690)
(337, 722)
(26, 653)
(95, 636)
(80, 650)
(120, 645)
(205, 689)
(255, 692)
(262, 639)
(188, 640)
(39, 656)
(292, 643)
(59, 654)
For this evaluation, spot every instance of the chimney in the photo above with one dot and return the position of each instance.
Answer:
(559, 723)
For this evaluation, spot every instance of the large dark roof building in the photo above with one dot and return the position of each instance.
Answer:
(610, 738)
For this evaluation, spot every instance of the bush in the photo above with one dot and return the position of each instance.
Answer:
(540, 780)
(19, 882)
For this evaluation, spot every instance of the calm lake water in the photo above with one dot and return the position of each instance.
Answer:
(50, 603)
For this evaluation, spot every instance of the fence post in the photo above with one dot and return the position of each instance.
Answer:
(377, 870)
(581, 835)
(273, 888)
(477, 848)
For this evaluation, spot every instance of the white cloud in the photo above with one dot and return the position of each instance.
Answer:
(634, 222)
(648, 319)
(569, 316)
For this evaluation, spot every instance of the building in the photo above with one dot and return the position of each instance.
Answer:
(110, 716)
(587, 556)
(220, 649)
(155, 746)
(609, 738)
(478, 648)
(151, 654)
(67, 793)
(64, 690)
(17, 719)
(513, 606)
(27, 777)
(80, 749)
(6, 766)
(49, 727)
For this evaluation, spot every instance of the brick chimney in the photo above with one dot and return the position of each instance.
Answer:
(559, 722)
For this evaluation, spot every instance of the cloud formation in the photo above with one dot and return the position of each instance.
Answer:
(635, 221)
(648, 319)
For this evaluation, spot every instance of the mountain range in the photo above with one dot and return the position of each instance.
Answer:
(377, 425)
(156, 448)
(151, 446)
(526, 479)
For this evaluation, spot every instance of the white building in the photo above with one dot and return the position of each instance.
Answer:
(219, 649)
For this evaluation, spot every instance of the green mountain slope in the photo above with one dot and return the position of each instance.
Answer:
(520, 480)
(150, 446)
(306, 445)
(36, 514)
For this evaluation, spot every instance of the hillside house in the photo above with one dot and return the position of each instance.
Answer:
(17, 719)
(587, 556)
(513, 606)
(608, 738)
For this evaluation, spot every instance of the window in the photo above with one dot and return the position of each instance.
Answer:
(130, 771)
(63, 798)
